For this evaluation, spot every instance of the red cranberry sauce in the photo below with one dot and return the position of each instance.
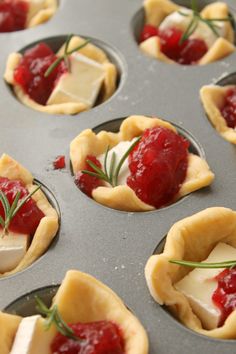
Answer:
(224, 296)
(228, 111)
(13, 14)
(186, 53)
(148, 32)
(86, 182)
(101, 337)
(59, 163)
(29, 74)
(29, 215)
(158, 166)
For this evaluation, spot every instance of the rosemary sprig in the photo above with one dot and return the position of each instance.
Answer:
(196, 18)
(11, 210)
(65, 56)
(53, 316)
(226, 264)
(110, 177)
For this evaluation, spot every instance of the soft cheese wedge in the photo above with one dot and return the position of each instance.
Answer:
(120, 149)
(13, 247)
(199, 285)
(32, 338)
(203, 31)
(81, 84)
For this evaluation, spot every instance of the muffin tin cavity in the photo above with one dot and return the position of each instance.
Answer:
(160, 246)
(207, 236)
(175, 42)
(131, 188)
(227, 80)
(26, 306)
(59, 91)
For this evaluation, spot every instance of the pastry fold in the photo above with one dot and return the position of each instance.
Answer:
(49, 9)
(157, 10)
(123, 197)
(192, 238)
(48, 225)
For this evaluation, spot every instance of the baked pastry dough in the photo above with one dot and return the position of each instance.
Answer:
(157, 10)
(48, 225)
(192, 238)
(123, 197)
(48, 10)
(212, 97)
(90, 51)
(98, 301)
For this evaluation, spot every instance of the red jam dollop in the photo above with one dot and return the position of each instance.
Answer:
(59, 163)
(86, 182)
(29, 215)
(229, 109)
(29, 74)
(158, 166)
(13, 15)
(186, 53)
(101, 337)
(224, 296)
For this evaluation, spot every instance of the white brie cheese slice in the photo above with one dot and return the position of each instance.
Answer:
(34, 7)
(202, 31)
(32, 338)
(199, 285)
(81, 84)
(120, 149)
(13, 247)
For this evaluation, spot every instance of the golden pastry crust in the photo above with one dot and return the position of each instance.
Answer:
(123, 197)
(90, 51)
(192, 238)
(8, 325)
(49, 9)
(99, 303)
(48, 225)
(213, 97)
(157, 10)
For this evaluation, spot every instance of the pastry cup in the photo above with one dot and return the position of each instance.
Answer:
(157, 10)
(90, 51)
(123, 197)
(48, 225)
(50, 7)
(192, 238)
(98, 301)
(212, 97)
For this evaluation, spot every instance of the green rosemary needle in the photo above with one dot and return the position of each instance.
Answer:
(11, 210)
(65, 56)
(226, 264)
(52, 316)
(196, 18)
(112, 175)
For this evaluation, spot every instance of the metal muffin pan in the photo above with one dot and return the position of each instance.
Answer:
(113, 245)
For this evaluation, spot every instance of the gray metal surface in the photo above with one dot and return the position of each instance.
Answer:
(113, 245)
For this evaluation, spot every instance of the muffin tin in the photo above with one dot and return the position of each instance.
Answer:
(113, 245)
